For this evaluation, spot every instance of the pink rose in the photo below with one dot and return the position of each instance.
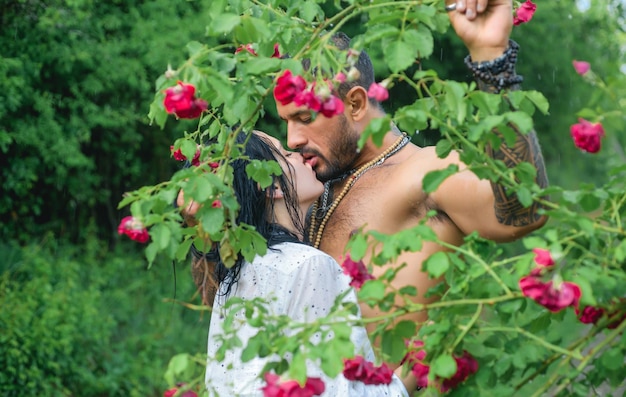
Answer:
(358, 369)
(466, 365)
(587, 136)
(134, 229)
(309, 99)
(181, 101)
(288, 87)
(216, 204)
(340, 77)
(378, 92)
(332, 106)
(546, 294)
(357, 271)
(543, 257)
(291, 388)
(581, 67)
(524, 13)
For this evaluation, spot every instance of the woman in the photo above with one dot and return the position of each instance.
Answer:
(295, 279)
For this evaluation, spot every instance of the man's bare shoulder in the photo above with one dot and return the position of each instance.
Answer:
(421, 160)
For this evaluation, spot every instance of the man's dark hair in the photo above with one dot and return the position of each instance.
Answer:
(363, 65)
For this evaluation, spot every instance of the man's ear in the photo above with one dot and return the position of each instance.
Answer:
(357, 103)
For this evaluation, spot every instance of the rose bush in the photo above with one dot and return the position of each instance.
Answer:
(542, 317)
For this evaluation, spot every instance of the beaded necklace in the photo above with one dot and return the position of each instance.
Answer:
(354, 175)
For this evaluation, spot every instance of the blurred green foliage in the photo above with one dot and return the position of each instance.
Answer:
(87, 321)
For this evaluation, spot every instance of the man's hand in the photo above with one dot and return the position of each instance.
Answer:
(483, 25)
(188, 210)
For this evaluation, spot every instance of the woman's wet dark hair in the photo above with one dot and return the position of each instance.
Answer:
(257, 204)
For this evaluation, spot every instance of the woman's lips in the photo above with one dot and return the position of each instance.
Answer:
(312, 161)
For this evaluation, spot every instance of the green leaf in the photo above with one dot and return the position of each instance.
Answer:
(454, 99)
(183, 249)
(263, 171)
(297, 367)
(487, 103)
(620, 251)
(309, 10)
(524, 196)
(372, 290)
(586, 297)
(398, 55)
(393, 345)
(613, 359)
(433, 179)
(178, 364)
(444, 366)
(538, 100)
(421, 41)
(151, 252)
(522, 120)
(224, 23)
(161, 235)
(376, 129)
(437, 264)
(211, 219)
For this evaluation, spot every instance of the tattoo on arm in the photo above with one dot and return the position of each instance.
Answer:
(494, 76)
(509, 211)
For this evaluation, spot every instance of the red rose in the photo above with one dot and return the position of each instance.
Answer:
(589, 315)
(587, 136)
(287, 87)
(524, 13)
(378, 92)
(358, 369)
(357, 271)
(181, 101)
(466, 365)
(581, 67)
(133, 228)
(291, 388)
(216, 204)
(543, 257)
(546, 294)
(178, 155)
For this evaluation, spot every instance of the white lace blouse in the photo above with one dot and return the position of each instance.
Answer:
(305, 283)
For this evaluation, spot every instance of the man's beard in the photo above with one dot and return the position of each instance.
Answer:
(342, 152)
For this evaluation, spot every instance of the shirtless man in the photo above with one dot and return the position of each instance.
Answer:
(390, 198)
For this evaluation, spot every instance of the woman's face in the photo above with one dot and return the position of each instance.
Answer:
(308, 188)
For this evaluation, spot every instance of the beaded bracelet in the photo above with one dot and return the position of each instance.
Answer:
(498, 73)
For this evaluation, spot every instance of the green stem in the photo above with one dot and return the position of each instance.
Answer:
(468, 326)
(487, 268)
(592, 353)
(530, 335)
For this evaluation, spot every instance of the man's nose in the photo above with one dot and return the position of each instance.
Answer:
(295, 136)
